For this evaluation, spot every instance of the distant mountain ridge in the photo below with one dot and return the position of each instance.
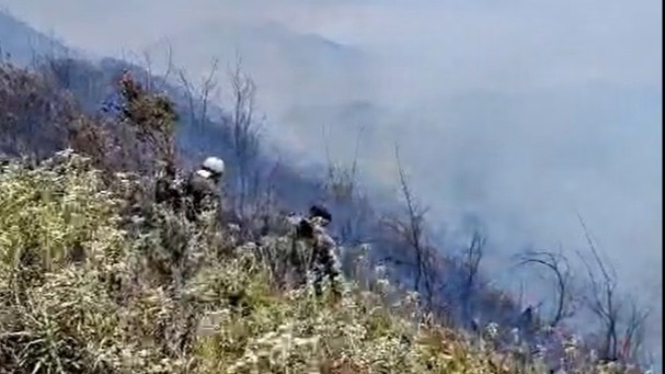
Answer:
(22, 43)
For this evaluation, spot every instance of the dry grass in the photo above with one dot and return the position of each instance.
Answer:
(87, 290)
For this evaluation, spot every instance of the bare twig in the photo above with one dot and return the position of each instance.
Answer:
(244, 129)
(606, 304)
(472, 259)
(558, 264)
(410, 229)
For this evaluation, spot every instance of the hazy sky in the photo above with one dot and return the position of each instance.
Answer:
(520, 112)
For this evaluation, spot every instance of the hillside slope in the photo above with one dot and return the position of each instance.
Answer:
(88, 86)
(96, 278)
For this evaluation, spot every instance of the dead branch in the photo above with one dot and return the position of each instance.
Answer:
(609, 307)
(410, 228)
(202, 96)
(189, 92)
(245, 130)
(558, 264)
(473, 257)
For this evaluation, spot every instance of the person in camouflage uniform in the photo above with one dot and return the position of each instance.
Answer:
(202, 188)
(323, 261)
(198, 193)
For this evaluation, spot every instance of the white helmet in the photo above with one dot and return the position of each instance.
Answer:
(214, 165)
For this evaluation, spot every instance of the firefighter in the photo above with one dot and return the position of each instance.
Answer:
(323, 263)
(202, 187)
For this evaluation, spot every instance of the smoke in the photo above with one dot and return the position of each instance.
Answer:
(520, 113)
